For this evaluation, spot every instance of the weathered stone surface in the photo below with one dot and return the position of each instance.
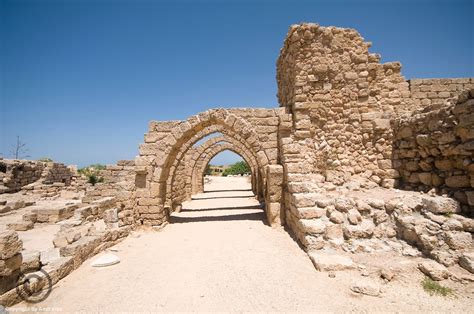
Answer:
(10, 265)
(434, 270)
(363, 230)
(10, 244)
(313, 226)
(366, 287)
(458, 240)
(441, 205)
(466, 260)
(330, 261)
(31, 261)
(105, 260)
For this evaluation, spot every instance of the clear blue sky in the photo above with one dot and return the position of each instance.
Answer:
(81, 79)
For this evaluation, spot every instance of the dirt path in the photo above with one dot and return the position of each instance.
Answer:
(218, 256)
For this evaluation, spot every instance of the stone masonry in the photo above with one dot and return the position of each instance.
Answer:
(356, 158)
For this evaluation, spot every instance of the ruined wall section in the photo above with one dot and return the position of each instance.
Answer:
(434, 149)
(433, 93)
(119, 188)
(16, 175)
(342, 100)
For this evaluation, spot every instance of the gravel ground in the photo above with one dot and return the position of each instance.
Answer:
(215, 256)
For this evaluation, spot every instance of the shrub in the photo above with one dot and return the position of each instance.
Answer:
(92, 173)
(240, 167)
(45, 159)
(432, 287)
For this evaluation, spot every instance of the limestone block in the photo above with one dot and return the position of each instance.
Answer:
(458, 181)
(10, 244)
(310, 212)
(366, 287)
(312, 226)
(31, 261)
(10, 265)
(466, 261)
(330, 261)
(363, 230)
(440, 205)
(336, 217)
(434, 270)
(343, 204)
(458, 240)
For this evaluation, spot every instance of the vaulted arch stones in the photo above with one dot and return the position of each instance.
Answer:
(168, 159)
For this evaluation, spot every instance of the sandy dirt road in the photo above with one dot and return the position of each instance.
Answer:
(219, 255)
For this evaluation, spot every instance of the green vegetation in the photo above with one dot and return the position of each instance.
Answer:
(208, 170)
(45, 159)
(432, 287)
(92, 172)
(239, 168)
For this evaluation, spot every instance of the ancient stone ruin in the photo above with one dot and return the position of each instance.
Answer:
(356, 158)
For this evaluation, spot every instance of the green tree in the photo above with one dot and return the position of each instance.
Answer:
(208, 170)
(239, 168)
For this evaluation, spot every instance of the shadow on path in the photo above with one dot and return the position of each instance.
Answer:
(252, 216)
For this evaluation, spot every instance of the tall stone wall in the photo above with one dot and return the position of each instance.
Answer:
(341, 99)
(435, 149)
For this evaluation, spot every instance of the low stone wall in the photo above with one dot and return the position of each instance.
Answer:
(74, 251)
(435, 92)
(17, 174)
(119, 184)
(362, 223)
(435, 149)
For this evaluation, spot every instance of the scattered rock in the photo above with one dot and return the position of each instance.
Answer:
(367, 288)
(330, 261)
(434, 270)
(387, 274)
(105, 260)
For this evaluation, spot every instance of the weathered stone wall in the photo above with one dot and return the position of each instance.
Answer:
(338, 145)
(341, 99)
(434, 148)
(16, 174)
(119, 185)
(433, 93)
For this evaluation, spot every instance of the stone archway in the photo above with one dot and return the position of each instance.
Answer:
(211, 152)
(167, 144)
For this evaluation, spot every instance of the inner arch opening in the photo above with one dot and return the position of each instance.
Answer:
(227, 164)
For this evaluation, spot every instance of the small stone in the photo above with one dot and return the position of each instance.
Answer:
(105, 260)
(367, 288)
(386, 274)
(336, 217)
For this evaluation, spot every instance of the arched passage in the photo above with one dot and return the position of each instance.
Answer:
(165, 155)
(186, 156)
(199, 151)
(205, 158)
